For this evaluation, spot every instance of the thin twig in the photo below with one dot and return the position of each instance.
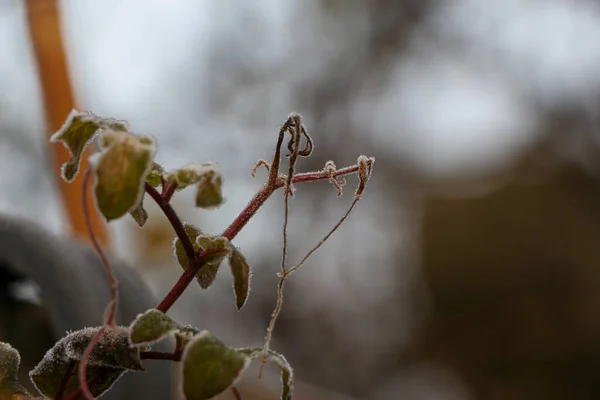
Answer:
(294, 147)
(83, 382)
(168, 191)
(112, 279)
(112, 305)
(331, 232)
(173, 218)
(247, 213)
(274, 182)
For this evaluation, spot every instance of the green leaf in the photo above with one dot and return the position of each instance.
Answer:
(139, 213)
(240, 269)
(120, 171)
(190, 174)
(209, 367)
(155, 175)
(207, 177)
(112, 357)
(287, 373)
(10, 388)
(150, 327)
(193, 232)
(9, 362)
(79, 130)
(217, 244)
(209, 194)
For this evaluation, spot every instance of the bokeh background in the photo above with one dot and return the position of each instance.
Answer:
(471, 268)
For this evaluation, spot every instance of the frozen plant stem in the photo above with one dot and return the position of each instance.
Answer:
(112, 305)
(234, 228)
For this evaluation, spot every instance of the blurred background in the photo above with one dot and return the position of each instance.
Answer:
(470, 269)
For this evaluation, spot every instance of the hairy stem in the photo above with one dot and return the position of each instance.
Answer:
(185, 279)
(112, 279)
(331, 232)
(274, 182)
(112, 305)
(173, 218)
(247, 213)
(83, 382)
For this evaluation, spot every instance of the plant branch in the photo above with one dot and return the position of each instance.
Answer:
(173, 218)
(297, 130)
(112, 305)
(331, 232)
(112, 279)
(275, 181)
(317, 175)
(83, 383)
(186, 278)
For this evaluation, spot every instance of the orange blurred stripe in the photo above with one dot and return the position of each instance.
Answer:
(45, 30)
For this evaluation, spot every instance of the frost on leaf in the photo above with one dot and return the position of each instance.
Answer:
(10, 388)
(207, 177)
(193, 232)
(209, 193)
(120, 172)
(209, 367)
(150, 327)
(218, 245)
(213, 244)
(112, 357)
(79, 129)
(240, 269)
(287, 373)
(155, 175)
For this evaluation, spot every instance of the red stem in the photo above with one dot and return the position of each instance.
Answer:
(173, 218)
(197, 260)
(247, 213)
(185, 279)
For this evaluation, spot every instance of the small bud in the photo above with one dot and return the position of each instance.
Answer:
(365, 166)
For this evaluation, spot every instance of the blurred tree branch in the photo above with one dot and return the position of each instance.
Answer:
(44, 27)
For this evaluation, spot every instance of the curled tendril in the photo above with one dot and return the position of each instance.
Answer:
(292, 124)
(260, 163)
(337, 183)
